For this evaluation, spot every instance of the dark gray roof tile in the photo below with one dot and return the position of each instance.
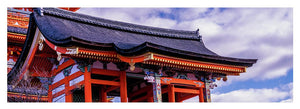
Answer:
(16, 30)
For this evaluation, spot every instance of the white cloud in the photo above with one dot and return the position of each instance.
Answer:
(191, 13)
(287, 101)
(265, 34)
(277, 94)
(205, 26)
(160, 22)
(130, 15)
(250, 95)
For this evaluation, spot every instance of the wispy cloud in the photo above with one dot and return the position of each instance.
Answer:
(281, 93)
(266, 34)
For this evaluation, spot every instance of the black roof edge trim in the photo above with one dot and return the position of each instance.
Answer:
(150, 47)
(25, 50)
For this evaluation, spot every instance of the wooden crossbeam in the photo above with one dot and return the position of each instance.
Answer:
(65, 81)
(67, 91)
(182, 90)
(57, 84)
(175, 81)
(63, 66)
(59, 93)
(77, 85)
(105, 72)
(111, 88)
(140, 91)
(148, 97)
(105, 82)
(141, 98)
(164, 90)
(186, 97)
(73, 76)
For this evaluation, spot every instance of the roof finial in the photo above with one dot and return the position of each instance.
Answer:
(198, 33)
(40, 11)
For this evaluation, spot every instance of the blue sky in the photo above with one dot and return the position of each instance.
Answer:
(262, 33)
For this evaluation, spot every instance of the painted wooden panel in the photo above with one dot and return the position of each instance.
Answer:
(74, 69)
(58, 77)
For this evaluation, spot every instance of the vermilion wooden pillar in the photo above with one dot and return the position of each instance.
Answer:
(87, 85)
(50, 93)
(150, 99)
(103, 95)
(68, 92)
(177, 98)
(123, 87)
(171, 93)
(150, 96)
(201, 97)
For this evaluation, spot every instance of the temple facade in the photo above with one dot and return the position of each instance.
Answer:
(61, 56)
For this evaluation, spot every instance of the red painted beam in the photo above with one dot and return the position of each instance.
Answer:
(186, 97)
(105, 72)
(182, 90)
(140, 91)
(63, 66)
(105, 82)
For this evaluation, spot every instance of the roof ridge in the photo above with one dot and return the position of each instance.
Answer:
(170, 33)
(20, 11)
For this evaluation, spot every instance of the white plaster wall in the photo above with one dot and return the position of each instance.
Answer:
(191, 76)
(76, 80)
(10, 63)
(98, 65)
(61, 61)
(74, 69)
(112, 66)
(58, 77)
(61, 98)
(57, 89)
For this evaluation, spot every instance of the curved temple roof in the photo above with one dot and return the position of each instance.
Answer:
(66, 29)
